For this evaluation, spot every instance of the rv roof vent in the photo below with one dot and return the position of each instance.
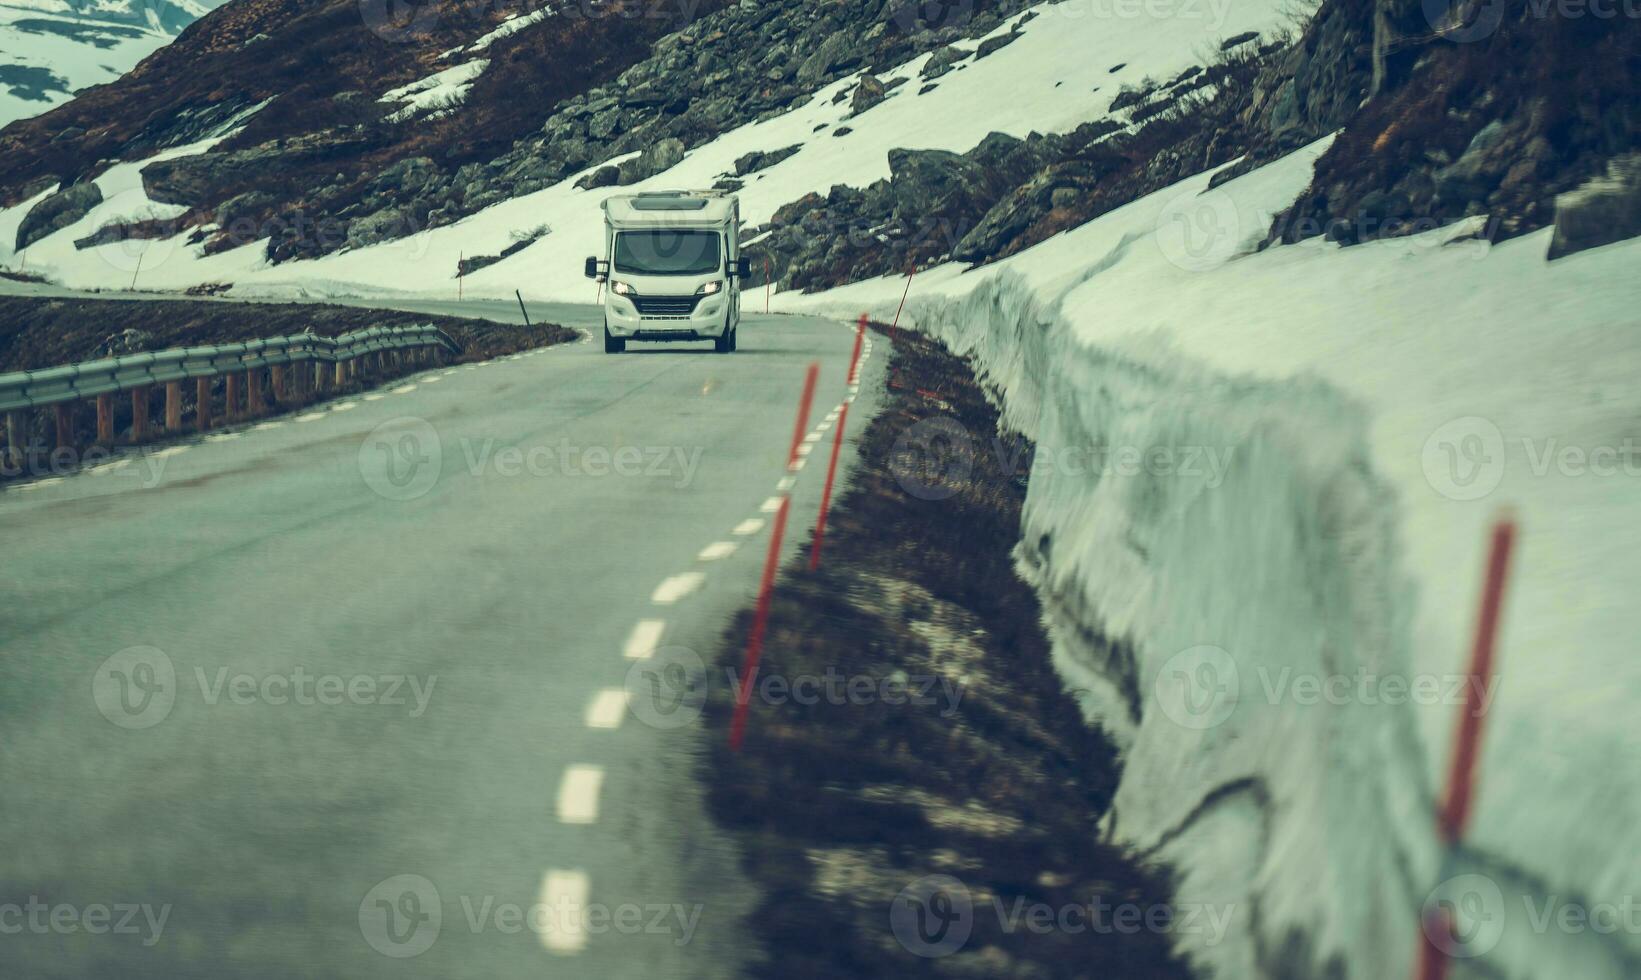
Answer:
(666, 201)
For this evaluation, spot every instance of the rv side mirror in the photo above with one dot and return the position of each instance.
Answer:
(592, 267)
(743, 268)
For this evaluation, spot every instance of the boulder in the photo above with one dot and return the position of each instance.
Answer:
(868, 93)
(942, 61)
(831, 53)
(406, 177)
(763, 159)
(57, 212)
(991, 44)
(928, 182)
(380, 227)
(657, 157)
(1474, 175)
(602, 177)
(1604, 210)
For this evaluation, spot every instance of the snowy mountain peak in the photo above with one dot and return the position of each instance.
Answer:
(50, 49)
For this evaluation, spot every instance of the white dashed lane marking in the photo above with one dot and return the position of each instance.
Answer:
(646, 636)
(578, 794)
(751, 525)
(771, 505)
(676, 587)
(404, 389)
(607, 708)
(564, 899)
(717, 550)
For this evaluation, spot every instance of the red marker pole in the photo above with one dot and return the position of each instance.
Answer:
(854, 359)
(766, 285)
(803, 413)
(826, 494)
(908, 291)
(760, 623)
(766, 588)
(1454, 814)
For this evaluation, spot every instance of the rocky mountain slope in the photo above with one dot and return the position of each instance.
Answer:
(415, 124)
(51, 49)
(356, 139)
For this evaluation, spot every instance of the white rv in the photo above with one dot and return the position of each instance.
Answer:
(672, 268)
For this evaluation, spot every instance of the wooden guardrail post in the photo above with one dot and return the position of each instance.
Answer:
(65, 424)
(173, 406)
(255, 404)
(202, 404)
(139, 413)
(230, 396)
(341, 373)
(16, 438)
(276, 380)
(105, 419)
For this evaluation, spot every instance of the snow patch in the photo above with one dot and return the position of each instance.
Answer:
(438, 93)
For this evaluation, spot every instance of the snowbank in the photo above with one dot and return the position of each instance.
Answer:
(1269, 603)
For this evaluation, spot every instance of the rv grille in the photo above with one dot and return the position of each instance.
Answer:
(665, 306)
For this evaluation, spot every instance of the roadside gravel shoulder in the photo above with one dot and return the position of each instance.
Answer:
(845, 807)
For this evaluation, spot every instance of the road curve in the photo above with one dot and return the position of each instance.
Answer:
(340, 694)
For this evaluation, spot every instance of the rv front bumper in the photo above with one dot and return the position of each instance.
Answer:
(667, 317)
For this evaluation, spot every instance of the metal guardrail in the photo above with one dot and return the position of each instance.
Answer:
(89, 379)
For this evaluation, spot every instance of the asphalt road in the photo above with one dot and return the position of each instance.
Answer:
(344, 694)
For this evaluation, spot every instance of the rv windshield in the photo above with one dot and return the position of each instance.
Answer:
(668, 252)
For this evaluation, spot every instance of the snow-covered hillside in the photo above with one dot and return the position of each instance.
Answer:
(1068, 65)
(50, 49)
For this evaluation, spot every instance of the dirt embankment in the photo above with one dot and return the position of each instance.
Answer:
(845, 806)
(42, 333)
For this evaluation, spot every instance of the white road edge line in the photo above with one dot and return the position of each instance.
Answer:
(578, 794)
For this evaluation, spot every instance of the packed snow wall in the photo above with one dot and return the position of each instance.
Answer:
(1221, 569)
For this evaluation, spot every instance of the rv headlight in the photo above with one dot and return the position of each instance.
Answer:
(709, 288)
(622, 289)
